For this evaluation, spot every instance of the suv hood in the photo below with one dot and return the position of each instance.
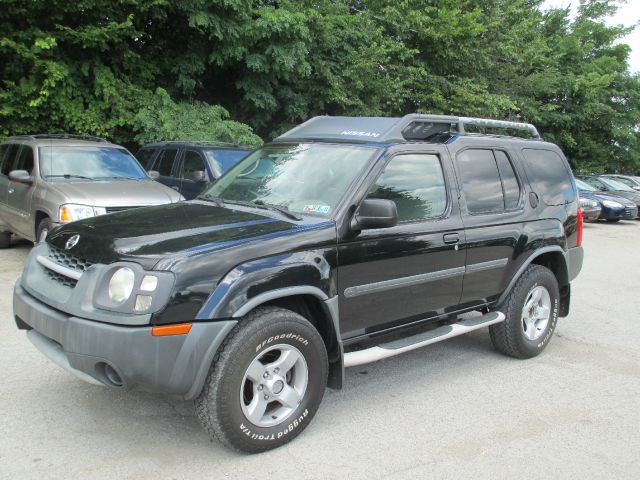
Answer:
(146, 235)
(116, 193)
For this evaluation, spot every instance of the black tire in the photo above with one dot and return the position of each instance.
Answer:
(5, 239)
(44, 227)
(509, 337)
(219, 406)
(613, 220)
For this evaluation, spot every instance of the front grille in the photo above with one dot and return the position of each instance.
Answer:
(61, 279)
(68, 260)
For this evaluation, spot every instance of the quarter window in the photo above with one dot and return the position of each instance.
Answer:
(415, 182)
(549, 175)
(164, 162)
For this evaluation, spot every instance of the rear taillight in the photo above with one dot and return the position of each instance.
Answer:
(580, 225)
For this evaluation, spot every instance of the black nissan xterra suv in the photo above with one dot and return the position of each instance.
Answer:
(342, 242)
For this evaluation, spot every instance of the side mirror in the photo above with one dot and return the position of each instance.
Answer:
(375, 213)
(153, 174)
(199, 176)
(21, 176)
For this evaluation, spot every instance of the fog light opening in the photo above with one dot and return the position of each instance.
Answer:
(111, 377)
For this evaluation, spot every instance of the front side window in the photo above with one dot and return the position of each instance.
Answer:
(192, 167)
(164, 163)
(85, 162)
(308, 178)
(223, 159)
(25, 159)
(9, 157)
(415, 182)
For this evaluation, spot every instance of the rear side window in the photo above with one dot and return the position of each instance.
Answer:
(25, 159)
(164, 162)
(415, 182)
(510, 185)
(9, 157)
(144, 155)
(549, 176)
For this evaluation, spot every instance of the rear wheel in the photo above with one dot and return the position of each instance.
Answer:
(43, 230)
(531, 311)
(5, 239)
(266, 382)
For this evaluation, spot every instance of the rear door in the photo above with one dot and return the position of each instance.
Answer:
(391, 277)
(20, 195)
(493, 205)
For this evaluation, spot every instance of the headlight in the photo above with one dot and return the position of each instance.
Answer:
(71, 212)
(611, 204)
(126, 287)
(121, 285)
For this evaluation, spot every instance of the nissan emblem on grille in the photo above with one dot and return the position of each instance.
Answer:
(72, 242)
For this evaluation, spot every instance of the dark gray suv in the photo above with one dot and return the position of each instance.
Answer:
(47, 180)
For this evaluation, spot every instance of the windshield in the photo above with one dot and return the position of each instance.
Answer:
(308, 178)
(88, 162)
(585, 186)
(615, 185)
(225, 159)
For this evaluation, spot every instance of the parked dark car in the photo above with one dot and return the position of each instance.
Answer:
(188, 167)
(591, 209)
(613, 207)
(343, 242)
(628, 180)
(610, 186)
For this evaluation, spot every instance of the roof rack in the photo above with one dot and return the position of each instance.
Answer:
(40, 136)
(412, 127)
(203, 143)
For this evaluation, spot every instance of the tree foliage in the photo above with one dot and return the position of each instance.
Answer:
(142, 70)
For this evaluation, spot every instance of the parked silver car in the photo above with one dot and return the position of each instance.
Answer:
(47, 180)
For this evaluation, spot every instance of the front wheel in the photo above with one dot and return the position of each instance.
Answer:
(266, 382)
(43, 230)
(531, 311)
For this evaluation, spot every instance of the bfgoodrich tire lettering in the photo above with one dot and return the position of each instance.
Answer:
(258, 342)
(537, 288)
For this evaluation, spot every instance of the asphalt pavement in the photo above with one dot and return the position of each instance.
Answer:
(456, 409)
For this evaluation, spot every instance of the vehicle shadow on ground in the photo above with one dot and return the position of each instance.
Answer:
(120, 415)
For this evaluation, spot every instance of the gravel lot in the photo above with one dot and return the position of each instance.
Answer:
(453, 410)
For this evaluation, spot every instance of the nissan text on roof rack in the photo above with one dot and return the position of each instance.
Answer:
(342, 242)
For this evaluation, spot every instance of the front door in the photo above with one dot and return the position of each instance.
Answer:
(20, 194)
(393, 276)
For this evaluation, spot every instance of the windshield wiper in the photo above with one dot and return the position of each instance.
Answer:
(279, 208)
(69, 175)
(266, 206)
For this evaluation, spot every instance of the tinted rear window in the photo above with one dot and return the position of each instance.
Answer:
(481, 181)
(550, 177)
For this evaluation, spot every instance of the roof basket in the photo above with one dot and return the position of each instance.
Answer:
(40, 136)
(412, 127)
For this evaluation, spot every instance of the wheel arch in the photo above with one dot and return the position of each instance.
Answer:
(553, 258)
(39, 216)
(321, 311)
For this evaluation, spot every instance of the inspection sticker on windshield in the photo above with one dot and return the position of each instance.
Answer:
(322, 209)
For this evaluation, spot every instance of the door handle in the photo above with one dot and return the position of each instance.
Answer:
(450, 238)
(11, 190)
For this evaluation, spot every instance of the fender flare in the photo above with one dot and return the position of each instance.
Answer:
(526, 263)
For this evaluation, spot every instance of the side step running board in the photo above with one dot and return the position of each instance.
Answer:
(391, 349)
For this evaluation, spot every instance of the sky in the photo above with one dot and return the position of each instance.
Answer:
(628, 14)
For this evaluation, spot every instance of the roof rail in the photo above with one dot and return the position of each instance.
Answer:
(203, 143)
(412, 127)
(40, 136)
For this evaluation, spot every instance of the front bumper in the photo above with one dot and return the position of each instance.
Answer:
(175, 365)
(624, 213)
